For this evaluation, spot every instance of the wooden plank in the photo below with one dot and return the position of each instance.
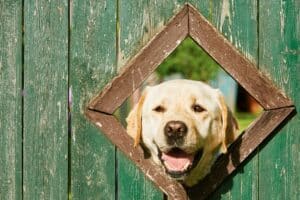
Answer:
(257, 84)
(116, 132)
(279, 160)
(237, 21)
(92, 65)
(240, 150)
(142, 65)
(139, 187)
(45, 152)
(242, 184)
(139, 22)
(10, 100)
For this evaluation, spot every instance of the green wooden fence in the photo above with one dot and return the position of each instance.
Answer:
(52, 51)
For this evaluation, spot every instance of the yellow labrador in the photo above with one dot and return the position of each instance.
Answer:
(183, 124)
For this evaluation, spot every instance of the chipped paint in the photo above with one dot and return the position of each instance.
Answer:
(0, 67)
(99, 124)
(70, 97)
(59, 109)
(225, 13)
(121, 61)
(282, 17)
(73, 134)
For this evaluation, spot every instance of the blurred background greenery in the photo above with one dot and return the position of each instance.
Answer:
(189, 61)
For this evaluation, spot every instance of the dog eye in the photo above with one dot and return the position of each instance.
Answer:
(197, 108)
(159, 109)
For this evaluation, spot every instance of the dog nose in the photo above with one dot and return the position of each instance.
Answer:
(175, 130)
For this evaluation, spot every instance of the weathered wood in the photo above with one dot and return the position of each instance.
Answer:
(45, 151)
(92, 65)
(139, 22)
(258, 85)
(237, 21)
(140, 187)
(222, 51)
(279, 53)
(240, 150)
(142, 65)
(10, 100)
(116, 133)
(93, 62)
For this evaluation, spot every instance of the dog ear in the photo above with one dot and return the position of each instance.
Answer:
(230, 126)
(134, 121)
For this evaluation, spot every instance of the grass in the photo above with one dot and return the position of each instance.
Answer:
(245, 119)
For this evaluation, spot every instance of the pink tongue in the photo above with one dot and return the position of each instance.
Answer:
(177, 161)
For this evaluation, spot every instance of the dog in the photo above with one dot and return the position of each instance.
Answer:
(184, 125)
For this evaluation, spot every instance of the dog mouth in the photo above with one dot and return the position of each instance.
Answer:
(178, 163)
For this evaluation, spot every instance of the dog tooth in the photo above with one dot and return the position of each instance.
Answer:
(186, 165)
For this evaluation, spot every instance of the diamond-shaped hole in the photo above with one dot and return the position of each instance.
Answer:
(190, 22)
(189, 61)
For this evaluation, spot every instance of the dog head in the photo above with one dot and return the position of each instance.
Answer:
(183, 124)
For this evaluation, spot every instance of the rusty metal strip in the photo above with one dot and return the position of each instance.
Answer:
(240, 150)
(239, 67)
(115, 132)
(143, 64)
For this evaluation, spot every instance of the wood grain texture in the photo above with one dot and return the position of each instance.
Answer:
(279, 56)
(142, 65)
(92, 65)
(240, 150)
(10, 100)
(237, 21)
(139, 22)
(45, 152)
(138, 187)
(257, 84)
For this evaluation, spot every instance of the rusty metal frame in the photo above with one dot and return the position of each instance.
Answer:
(189, 22)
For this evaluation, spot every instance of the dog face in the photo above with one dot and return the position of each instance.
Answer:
(183, 124)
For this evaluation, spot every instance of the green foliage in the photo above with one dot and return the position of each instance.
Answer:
(189, 60)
